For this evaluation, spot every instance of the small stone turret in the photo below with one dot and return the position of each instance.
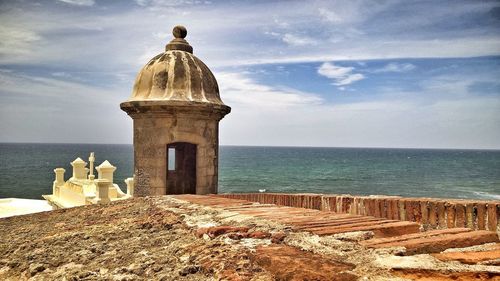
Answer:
(58, 181)
(130, 186)
(176, 109)
(105, 171)
(59, 175)
(102, 191)
(79, 170)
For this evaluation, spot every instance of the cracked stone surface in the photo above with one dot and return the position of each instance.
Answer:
(163, 238)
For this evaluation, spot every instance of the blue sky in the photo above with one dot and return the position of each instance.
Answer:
(303, 73)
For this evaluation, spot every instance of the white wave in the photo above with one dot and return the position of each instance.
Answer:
(487, 195)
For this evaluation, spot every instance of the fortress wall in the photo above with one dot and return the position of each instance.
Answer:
(432, 213)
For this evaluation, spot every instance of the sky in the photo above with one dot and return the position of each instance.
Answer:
(416, 74)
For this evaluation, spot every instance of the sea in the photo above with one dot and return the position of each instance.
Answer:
(26, 169)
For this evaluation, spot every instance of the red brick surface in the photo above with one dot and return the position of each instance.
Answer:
(431, 233)
(481, 216)
(492, 217)
(470, 257)
(459, 215)
(388, 233)
(431, 213)
(450, 215)
(435, 244)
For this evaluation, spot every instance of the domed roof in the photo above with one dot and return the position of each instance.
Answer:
(176, 76)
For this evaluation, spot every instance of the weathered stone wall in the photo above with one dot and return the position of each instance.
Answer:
(432, 213)
(154, 131)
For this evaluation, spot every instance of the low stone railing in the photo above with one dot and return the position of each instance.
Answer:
(432, 213)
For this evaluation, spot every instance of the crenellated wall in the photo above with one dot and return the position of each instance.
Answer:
(432, 213)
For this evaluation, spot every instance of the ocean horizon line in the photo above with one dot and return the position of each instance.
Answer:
(278, 146)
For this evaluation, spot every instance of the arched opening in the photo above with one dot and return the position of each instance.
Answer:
(181, 168)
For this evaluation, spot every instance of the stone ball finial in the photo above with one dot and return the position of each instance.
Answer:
(179, 32)
(179, 43)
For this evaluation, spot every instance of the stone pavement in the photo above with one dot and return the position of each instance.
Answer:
(211, 238)
(387, 233)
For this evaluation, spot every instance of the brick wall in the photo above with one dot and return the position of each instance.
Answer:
(432, 213)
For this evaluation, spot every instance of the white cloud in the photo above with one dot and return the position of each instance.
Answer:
(162, 35)
(334, 72)
(17, 40)
(390, 121)
(296, 40)
(396, 67)
(65, 77)
(38, 108)
(329, 15)
(244, 92)
(375, 49)
(169, 3)
(58, 87)
(293, 39)
(348, 13)
(350, 79)
(61, 74)
(79, 2)
(226, 41)
(41, 109)
(341, 75)
(142, 2)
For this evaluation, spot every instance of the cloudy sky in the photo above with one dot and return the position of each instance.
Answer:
(296, 73)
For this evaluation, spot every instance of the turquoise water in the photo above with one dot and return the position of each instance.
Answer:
(26, 170)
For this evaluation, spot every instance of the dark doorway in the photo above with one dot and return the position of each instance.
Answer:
(181, 168)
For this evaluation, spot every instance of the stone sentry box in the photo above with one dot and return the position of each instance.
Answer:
(175, 106)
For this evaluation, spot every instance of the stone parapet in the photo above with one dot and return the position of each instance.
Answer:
(432, 213)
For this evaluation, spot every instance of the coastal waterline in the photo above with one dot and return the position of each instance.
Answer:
(26, 170)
